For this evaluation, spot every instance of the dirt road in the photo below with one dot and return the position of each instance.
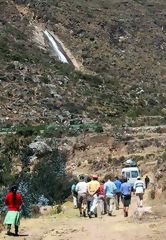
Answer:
(68, 225)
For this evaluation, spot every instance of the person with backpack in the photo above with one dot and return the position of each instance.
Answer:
(13, 201)
(125, 190)
(74, 194)
(139, 188)
(81, 189)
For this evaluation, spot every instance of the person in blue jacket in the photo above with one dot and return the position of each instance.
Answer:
(118, 184)
(126, 196)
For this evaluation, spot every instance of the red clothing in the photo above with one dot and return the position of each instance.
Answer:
(13, 206)
(101, 189)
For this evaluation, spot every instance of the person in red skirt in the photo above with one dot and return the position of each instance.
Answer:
(13, 201)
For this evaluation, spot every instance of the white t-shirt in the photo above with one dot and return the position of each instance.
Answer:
(139, 186)
(81, 187)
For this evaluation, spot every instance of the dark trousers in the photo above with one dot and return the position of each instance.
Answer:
(9, 228)
(146, 184)
(89, 202)
(117, 199)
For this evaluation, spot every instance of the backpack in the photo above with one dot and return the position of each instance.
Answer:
(73, 189)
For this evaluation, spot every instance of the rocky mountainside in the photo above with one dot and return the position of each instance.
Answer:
(121, 43)
(88, 116)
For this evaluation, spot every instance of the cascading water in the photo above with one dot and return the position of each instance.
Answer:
(56, 49)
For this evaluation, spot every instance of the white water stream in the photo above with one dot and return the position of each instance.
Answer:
(56, 49)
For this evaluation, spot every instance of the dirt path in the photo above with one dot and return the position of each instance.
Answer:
(68, 225)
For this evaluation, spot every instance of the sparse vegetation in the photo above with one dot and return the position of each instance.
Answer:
(47, 178)
(125, 84)
(118, 43)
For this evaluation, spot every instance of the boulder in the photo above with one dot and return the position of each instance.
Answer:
(40, 148)
(45, 210)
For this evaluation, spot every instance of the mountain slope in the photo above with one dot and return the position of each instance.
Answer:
(122, 41)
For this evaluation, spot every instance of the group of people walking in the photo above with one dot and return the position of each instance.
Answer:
(92, 196)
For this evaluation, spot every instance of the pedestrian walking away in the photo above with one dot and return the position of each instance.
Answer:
(126, 196)
(93, 188)
(118, 184)
(139, 188)
(89, 197)
(147, 181)
(101, 195)
(74, 194)
(110, 190)
(13, 201)
(81, 189)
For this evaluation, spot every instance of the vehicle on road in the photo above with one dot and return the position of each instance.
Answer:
(131, 173)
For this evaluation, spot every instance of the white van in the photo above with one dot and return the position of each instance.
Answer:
(131, 173)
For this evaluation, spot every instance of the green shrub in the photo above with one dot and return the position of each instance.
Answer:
(3, 192)
(98, 128)
(48, 177)
(6, 174)
(109, 159)
(27, 131)
(164, 156)
(24, 189)
(57, 209)
(134, 112)
(54, 131)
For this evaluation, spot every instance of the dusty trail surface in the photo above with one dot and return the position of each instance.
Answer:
(68, 225)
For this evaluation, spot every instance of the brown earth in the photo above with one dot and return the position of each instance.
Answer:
(105, 152)
(68, 225)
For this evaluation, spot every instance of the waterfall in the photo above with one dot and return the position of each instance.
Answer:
(56, 47)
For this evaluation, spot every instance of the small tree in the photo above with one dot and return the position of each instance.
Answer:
(26, 197)
(49, 178)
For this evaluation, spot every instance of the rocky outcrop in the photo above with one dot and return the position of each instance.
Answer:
(39, 148)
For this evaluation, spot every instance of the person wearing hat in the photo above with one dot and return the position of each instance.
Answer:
(93, 188)
(139, 188)
(13, 201)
